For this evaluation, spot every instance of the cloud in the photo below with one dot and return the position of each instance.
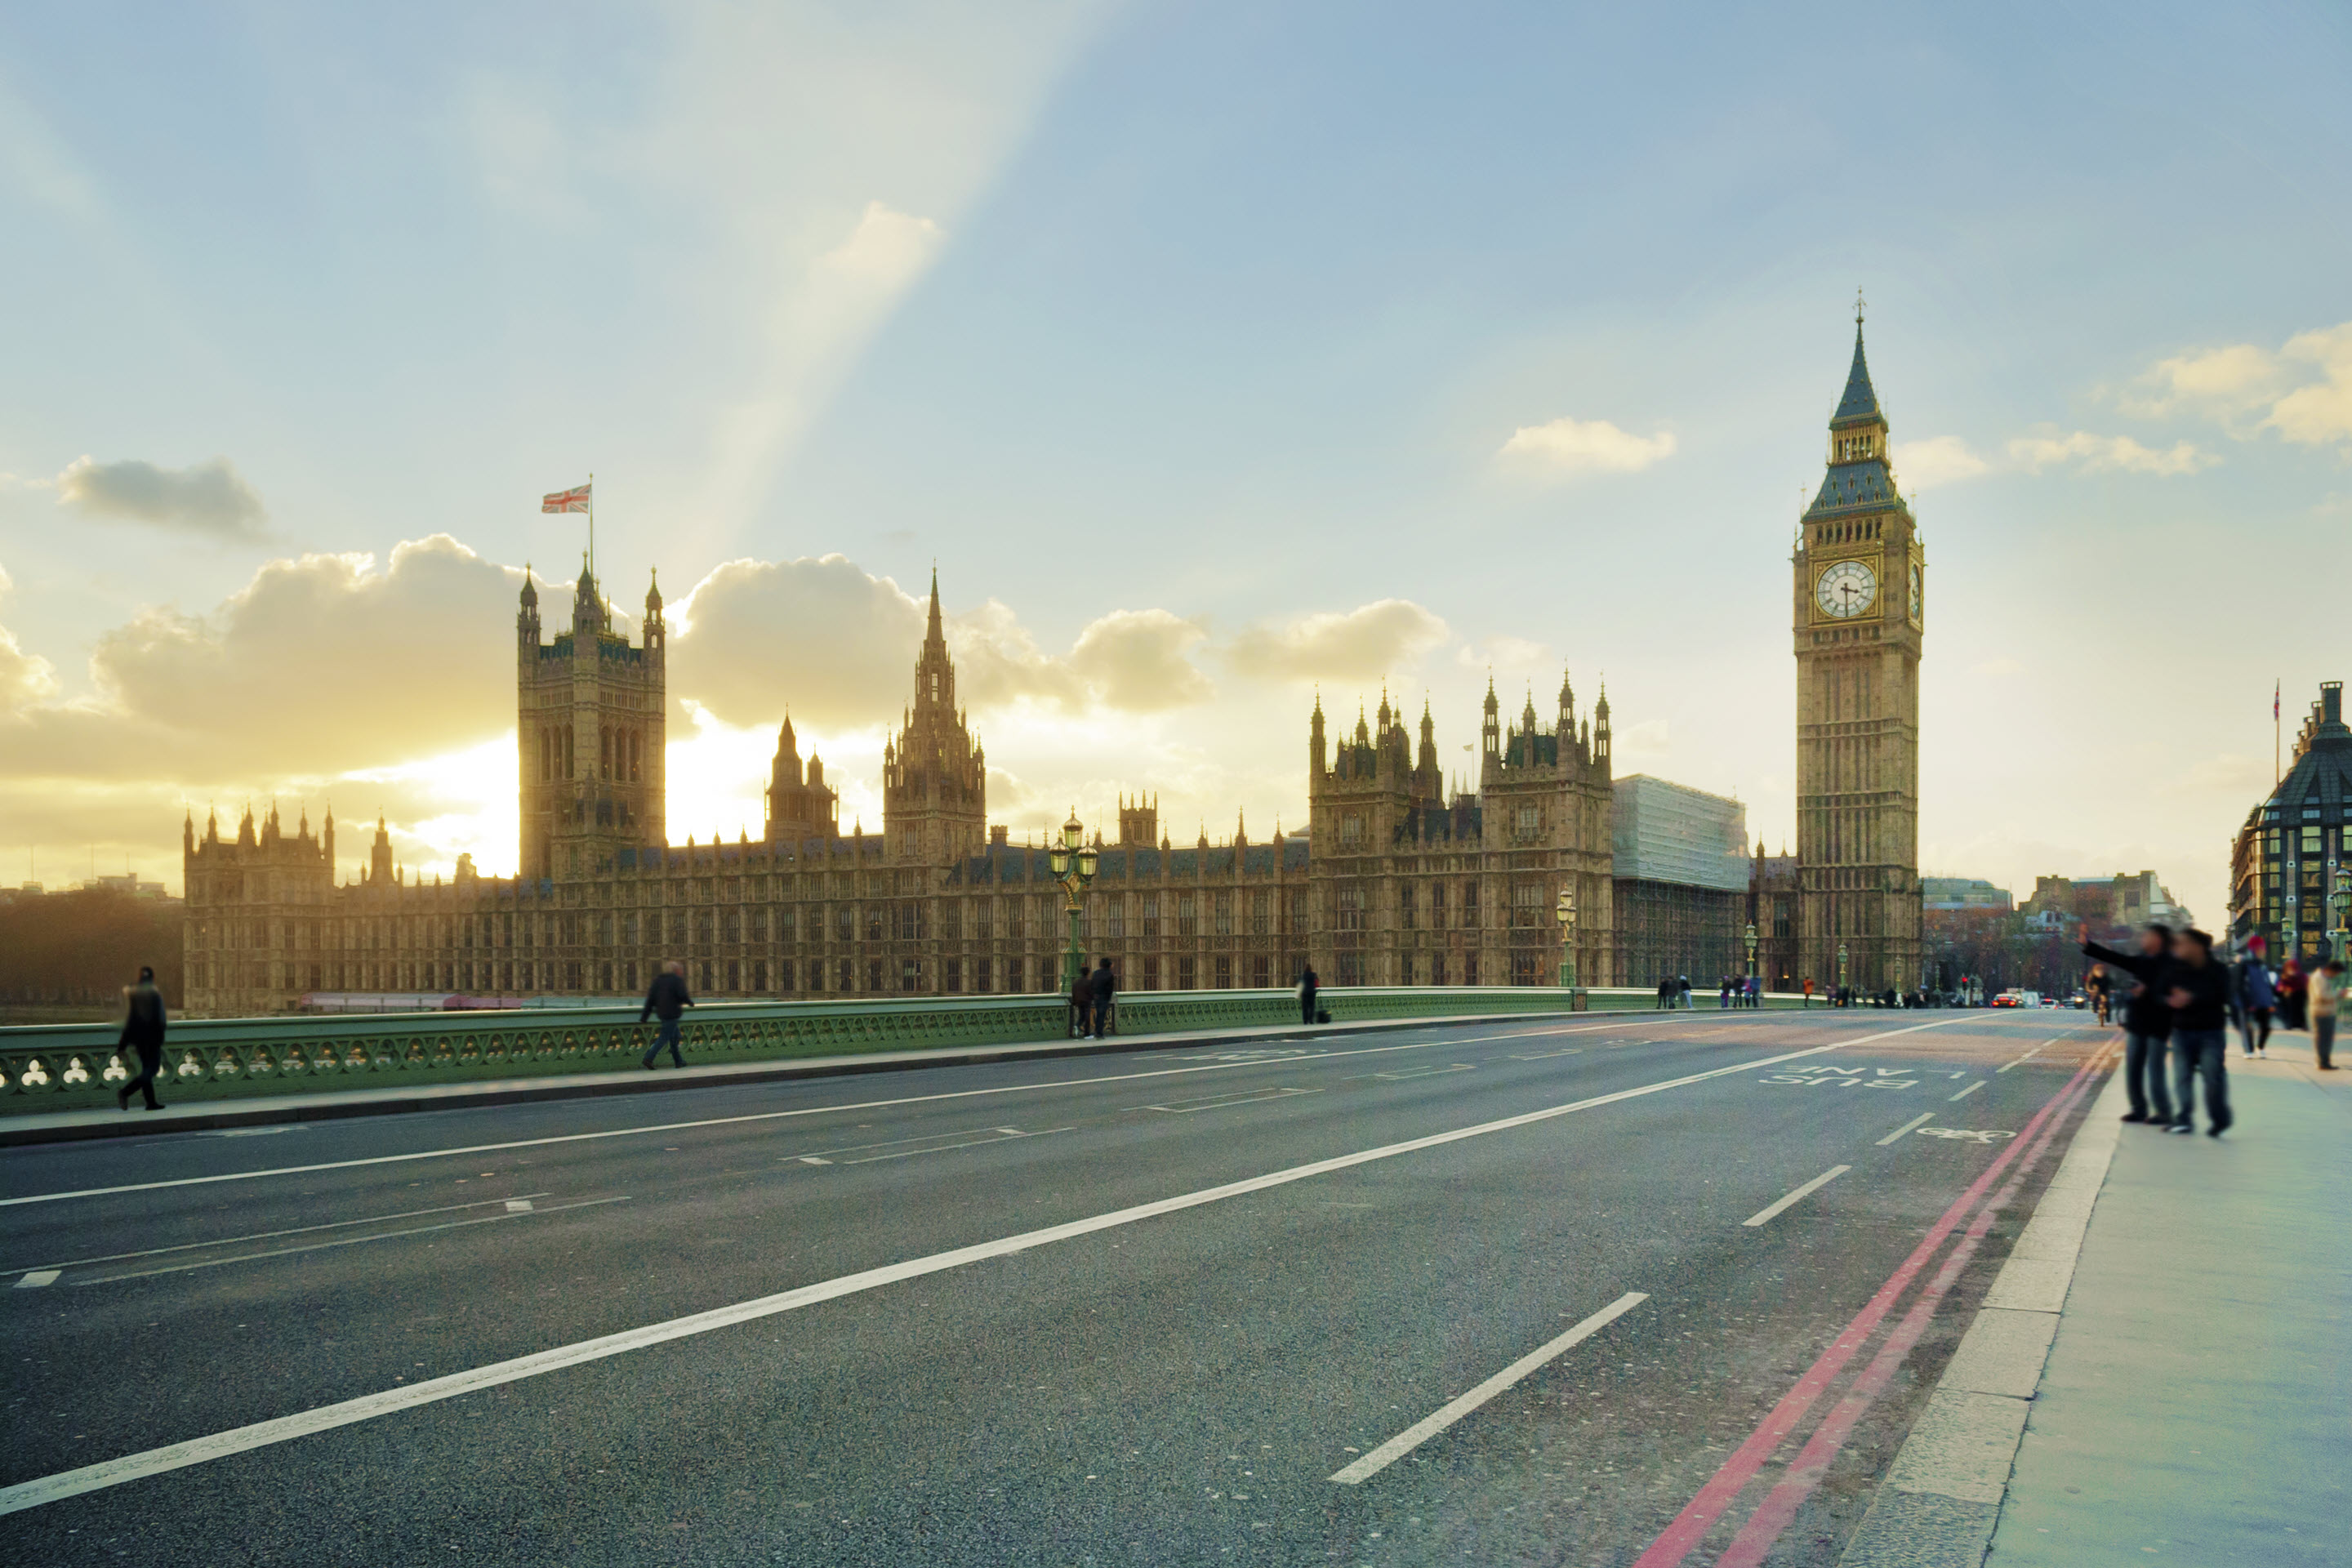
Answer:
(888, 250)
(1136, 660)
(318, 664)
(823, 313)
(837, 645)
(2246, 387)
(2096, 453)
(818, 635)
(25, 679)
(1364, 643)
(2321, 410)
(2226, 381)
(1648, 741)
(208, 497)
(1936, 460)
(1569, 447)
(1997, 666)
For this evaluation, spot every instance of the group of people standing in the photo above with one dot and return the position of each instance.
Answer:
(2183, 998)
(1731, 991)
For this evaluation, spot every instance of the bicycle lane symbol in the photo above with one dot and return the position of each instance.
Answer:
(1825, 1076)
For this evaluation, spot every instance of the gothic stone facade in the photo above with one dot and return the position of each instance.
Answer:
(1393, 882)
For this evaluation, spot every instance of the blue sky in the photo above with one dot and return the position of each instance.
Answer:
(1215, 318)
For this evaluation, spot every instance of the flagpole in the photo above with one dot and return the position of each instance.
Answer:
(592, 523)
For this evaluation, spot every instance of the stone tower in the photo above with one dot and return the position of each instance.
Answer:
(801, 806)
(934, 775)
(1858, 598)
(589, 728)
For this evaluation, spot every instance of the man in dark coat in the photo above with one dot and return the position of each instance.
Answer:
(666, 1000)
(2147, 1021)
(1307, 988)
(142, 1030)
(2199, 993)
(1103, 987)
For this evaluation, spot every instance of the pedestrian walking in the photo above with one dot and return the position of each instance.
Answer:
(144, 1020)
(1100, 991)
(2253, 995)
(1683, 990)
(665, 999)
(1082, 1000)
(2199, 998)
(2327, 1001)
(1723, 994)
(2147, 1021)
(2293, 985)
(1307, 985)
(1666, 993)
(1809, 992)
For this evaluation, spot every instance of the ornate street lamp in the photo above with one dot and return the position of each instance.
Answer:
(2339, 899)
(1841, 996)
(1073, 861)
(1751, 950)
(1566, 911)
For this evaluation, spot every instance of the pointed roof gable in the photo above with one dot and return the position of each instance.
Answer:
(1860, 404)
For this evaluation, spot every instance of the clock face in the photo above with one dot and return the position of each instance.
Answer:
(1846, 589)
(1915, 591)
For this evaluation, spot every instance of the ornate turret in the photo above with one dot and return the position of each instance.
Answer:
(588, 615)
(1317, 754)
(934, 776)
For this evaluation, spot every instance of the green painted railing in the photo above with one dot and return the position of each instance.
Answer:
(72, 1066)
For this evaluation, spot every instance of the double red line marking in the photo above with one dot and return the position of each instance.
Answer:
(1773, 1516)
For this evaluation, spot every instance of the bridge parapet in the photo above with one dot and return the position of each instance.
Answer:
(75, 1066)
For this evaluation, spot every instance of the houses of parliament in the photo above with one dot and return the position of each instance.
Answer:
(1396, 880)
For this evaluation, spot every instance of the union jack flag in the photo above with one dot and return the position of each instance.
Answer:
(573, 500)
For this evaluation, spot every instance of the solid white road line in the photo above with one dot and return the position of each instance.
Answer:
(274, 1235)
(782, 1115)
(1446, 1416)
(2029, 1055)
(1896, 1136)
(35, 1279)
(262, 1434)
(1006, 1135)
(1971, 1089)
(1220, 1101)
(341, 1241)
(519, 1205)
(1764, 1216)
(1547, 1055)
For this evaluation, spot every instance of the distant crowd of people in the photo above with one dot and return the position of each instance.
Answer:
(2184, 998)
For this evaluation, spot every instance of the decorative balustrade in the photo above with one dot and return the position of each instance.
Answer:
(71, 1065)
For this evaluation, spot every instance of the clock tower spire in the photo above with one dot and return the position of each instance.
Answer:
(1859, 601)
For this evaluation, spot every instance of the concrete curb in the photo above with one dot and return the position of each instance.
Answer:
(55, 1127)
(1942, 1496)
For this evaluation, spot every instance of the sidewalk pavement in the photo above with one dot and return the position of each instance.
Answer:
(2161, 1371)
(71, 1126)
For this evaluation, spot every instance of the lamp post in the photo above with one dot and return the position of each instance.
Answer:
(2339, 899)
(1841, 996)
(1565, 910)
(1751, 950)
(1073, 861)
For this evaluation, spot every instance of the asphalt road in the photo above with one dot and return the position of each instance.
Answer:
(936, 1335)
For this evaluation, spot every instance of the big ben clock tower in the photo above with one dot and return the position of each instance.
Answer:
(1859, 601)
